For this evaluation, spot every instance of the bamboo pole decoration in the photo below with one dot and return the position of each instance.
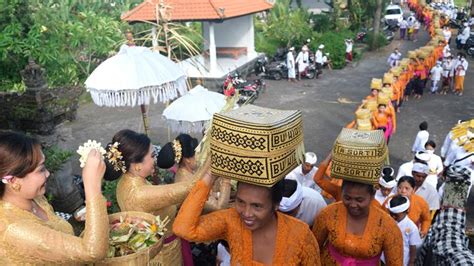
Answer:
(145, 119)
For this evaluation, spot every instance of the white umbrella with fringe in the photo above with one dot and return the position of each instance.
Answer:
(136, 76)
(192, 112)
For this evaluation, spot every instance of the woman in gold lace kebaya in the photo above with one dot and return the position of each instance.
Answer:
(30, 232)
(181, 151)
(132, 163)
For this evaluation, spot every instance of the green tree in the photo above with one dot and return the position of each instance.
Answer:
(283, 27)
(67, 37)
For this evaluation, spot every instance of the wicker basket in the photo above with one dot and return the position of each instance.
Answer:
(387, 78)
(256, 145)
(363, 113)
(359, 155)
(412, 54)
(388, 91)
(371, 105)
(364, 124)
(141, 257)
(376, 84)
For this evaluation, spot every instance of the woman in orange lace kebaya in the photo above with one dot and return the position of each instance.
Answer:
(257, 234)
(382, 119)
(356, 232)
(331, 186)
(419, 211)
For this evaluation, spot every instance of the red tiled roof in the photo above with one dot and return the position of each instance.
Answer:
(186, 10)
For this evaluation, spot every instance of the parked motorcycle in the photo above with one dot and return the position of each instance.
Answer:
(362, 35)
(260, 67)
(455, 24)
(469, 42)
(278, 71)
(248, 91)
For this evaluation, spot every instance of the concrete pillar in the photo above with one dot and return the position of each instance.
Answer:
(212, 49)
(154, 37)
(251, 37)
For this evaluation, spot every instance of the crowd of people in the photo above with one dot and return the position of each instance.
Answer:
(298, 66)
(307, 218)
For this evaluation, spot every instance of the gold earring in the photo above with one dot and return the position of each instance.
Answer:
(138, 168)
(16, 187)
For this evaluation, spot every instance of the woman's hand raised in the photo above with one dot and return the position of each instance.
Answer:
(92, 173)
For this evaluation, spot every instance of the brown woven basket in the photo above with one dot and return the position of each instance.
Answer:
(359, 155)
(256, 145)
(141, 257)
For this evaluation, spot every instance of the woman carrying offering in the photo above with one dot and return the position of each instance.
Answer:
(30, 232)
(256, 232)
(133, 162)
(356, 231)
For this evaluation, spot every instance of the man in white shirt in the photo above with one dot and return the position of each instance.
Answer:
(319, 60)
(398, 207)
(291, 64)
(446, 52)
(403, 28)
(416, 29)
(406, 168)
(302, 60)
(465, 34)
(304, 173)
(301, 202)
(421, 138)
(460, 71)
(424, 189)
(447, 35)
(394, 58)
(447, 67)
(435, 164)
(436, 73)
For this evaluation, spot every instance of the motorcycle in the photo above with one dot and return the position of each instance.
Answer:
(469, 42)
(455, 24)
(278, 71)
(248, 91)
(260, 67)
(362, 35)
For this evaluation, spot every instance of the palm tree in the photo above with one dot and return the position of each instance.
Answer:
(378, 13)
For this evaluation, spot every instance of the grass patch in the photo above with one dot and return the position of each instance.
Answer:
(460, 3)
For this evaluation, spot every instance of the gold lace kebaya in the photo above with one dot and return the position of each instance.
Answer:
(26, 239)
(134, 193)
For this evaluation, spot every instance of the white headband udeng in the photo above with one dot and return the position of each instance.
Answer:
(391, 184)
(291, 203)
(400, 208)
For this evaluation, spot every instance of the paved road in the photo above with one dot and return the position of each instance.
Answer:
(323, 114)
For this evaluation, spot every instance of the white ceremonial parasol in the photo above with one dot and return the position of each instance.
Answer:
(135, 76)
(191, 112)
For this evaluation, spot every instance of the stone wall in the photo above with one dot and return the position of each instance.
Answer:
(40, 108)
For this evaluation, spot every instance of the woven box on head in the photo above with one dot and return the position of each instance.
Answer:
(358, 156)
(256, 145)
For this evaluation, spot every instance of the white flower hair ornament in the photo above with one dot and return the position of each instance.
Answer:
(84, 150)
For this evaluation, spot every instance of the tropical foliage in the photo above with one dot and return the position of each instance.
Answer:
(282, 27)
(68, 38)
